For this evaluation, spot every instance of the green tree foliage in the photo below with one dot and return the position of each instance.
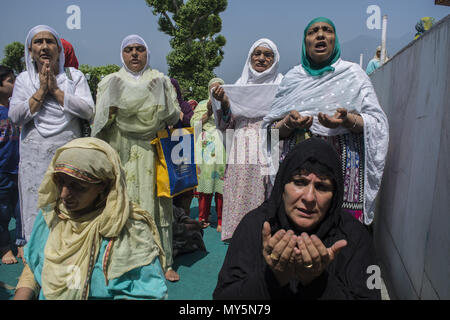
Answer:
(197, 51)
(95, 74)
(14, 57)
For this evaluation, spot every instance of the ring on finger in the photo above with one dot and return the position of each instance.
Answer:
(308, 266)
(273, 257)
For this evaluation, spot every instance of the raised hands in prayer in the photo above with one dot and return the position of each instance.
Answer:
(293, 120)
(44, 77)
(47, 85)
(341, 118)
(292, 257)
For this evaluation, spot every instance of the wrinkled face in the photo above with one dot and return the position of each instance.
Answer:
(7, 86)
(77, 196)
(307, 199)
(44, 47)
(262, 59)
(320, 40)
(135, 57)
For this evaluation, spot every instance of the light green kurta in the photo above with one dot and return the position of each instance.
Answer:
(145, 106)
(210, 154)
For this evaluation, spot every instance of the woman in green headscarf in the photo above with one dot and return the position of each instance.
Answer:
(210, 158)
(334, 99)
(319, 56)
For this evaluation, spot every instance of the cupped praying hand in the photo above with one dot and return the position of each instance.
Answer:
(292, 257)
(295, 120)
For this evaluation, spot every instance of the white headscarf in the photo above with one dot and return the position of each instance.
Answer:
(31, 67)
(131, 39)
(271, 75)
(51, 118)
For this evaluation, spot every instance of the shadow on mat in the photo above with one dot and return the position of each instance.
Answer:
(5, 294)
(188, 259)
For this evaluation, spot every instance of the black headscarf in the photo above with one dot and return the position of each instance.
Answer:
(322, 153)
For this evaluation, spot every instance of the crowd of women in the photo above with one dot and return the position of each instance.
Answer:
(94, 225)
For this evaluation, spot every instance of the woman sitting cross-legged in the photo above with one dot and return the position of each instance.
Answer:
(89, 240)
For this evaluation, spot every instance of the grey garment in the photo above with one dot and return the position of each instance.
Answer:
(184, 240)
(36, 152)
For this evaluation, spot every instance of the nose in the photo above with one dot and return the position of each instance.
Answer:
(134, 53)
(309, 196)
(320, 34)
(44, 45)
(65, 192)
(262, 57)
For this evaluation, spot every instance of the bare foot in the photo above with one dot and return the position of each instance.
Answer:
(219, 229)
(8, 258)
(172, 276)
(20, 253)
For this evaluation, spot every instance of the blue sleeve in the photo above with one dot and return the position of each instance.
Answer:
(34, 249)
(143, 283)
(371, 67)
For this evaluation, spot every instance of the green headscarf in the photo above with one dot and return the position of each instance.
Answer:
(308, 64)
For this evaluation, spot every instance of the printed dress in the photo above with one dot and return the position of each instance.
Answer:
(244, 185)
(141, 114)
(209, 152)
(350, 148)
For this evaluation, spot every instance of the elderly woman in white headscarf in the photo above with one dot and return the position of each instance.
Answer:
(244, 187)
(133, 104)
(48, 102)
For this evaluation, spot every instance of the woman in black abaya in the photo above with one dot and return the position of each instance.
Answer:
(299, 244)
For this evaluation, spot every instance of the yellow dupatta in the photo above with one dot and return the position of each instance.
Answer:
(73, 243)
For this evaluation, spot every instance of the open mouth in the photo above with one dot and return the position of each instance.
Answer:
(305, 213)
(45, 56)
(321, 46)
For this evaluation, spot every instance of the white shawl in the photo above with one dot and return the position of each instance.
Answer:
(252, 94)
(347, 87)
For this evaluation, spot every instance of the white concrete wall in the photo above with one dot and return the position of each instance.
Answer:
(412, 226)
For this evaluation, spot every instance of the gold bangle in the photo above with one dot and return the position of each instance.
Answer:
(354, 125)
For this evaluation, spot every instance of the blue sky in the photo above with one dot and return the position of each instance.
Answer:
(104, 23)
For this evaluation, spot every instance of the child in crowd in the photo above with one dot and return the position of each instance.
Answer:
(9, 161)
